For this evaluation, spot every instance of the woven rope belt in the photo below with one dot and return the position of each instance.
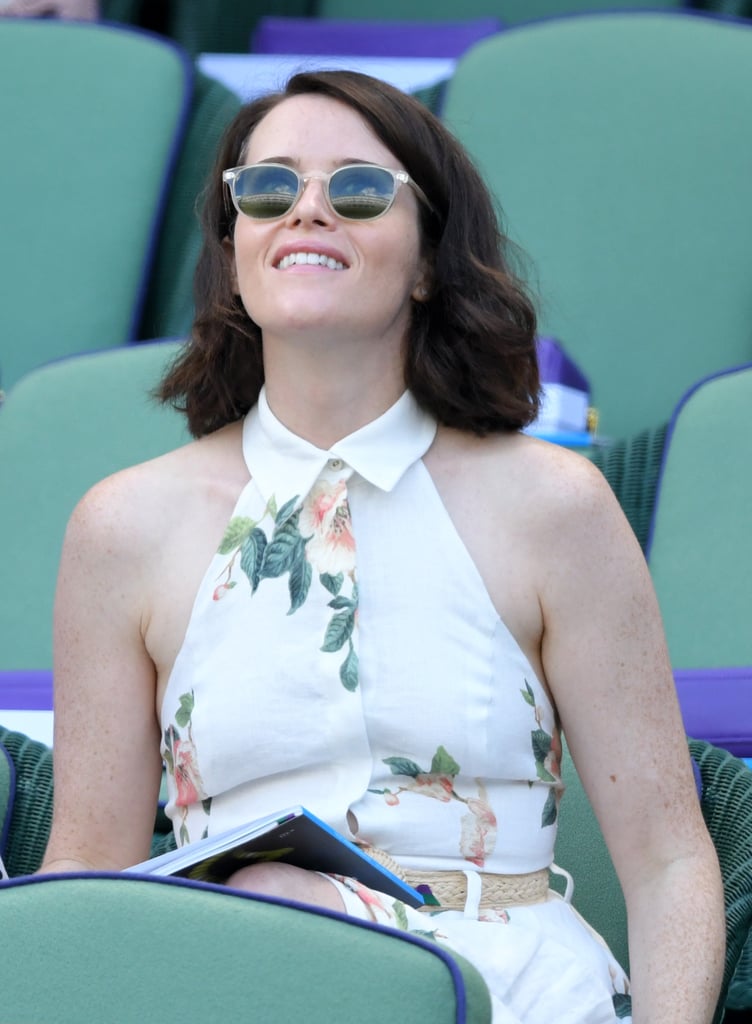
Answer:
(449, 888)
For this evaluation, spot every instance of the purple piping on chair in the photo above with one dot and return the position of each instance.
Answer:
(716, 705)
(26, 690)
(331, 37)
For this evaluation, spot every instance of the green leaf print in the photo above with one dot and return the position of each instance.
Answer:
(252, 556)
(236, 532)
(342, 602)
(400, 915)
(443, 763)
(622, 1005)
(332, 583)
(338, 632)
(280, 553)
(348, 671)
(286, 511)
(528, 695)
(300, 578)
(403, 766)
(548, 815)
(184, 712)
(542, 743)
(422, 933)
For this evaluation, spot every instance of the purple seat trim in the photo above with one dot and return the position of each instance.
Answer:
(344, 37)
(26, 690)
(716, 705)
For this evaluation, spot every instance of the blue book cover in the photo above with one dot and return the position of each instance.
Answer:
(295, 836)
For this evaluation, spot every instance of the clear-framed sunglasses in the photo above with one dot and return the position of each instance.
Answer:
(354, 192)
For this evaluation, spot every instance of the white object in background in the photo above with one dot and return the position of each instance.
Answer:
(253, 74)
(37, 725)
(562, 408)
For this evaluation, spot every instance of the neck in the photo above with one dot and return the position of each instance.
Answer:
(323, 395)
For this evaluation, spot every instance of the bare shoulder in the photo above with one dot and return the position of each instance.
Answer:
(128, 513)
(554, 493)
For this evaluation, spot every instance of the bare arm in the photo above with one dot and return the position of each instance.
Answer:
(606, 662)
(106, 739)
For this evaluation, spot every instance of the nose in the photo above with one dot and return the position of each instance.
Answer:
(312, 205)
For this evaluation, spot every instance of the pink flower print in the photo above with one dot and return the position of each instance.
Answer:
(392, 799)
(552, 761)
(325, 518)
(372, 901)
(188, 781)
(478, 837)
(440, 787)
(221, 590)
(494, 915)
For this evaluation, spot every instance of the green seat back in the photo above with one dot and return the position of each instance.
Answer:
(92, 115)
(62, 428)
(76, 949)
(700, 552)
(168, 310)
(618, 146)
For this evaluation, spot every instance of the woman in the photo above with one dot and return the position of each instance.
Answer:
(406, 598)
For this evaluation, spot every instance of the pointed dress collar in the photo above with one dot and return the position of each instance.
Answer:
(282, 463)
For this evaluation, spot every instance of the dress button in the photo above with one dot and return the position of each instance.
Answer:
(335, 464)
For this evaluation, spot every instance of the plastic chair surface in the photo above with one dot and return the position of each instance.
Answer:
(63, 427)
(700, 546)
(92, 116)
(624, 177)
(263, 960)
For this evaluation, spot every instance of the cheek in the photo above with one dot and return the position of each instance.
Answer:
(246, 268)
(404, 265)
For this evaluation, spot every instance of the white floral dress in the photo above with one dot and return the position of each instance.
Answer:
(386, 695)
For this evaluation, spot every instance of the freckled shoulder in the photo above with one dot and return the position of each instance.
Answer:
(132, 509)
(542, 481)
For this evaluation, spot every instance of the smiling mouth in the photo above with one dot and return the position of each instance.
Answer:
(310, 259)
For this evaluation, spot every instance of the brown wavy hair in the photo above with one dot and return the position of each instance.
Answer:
(470, 355)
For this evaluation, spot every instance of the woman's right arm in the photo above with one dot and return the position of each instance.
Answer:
(106, 735)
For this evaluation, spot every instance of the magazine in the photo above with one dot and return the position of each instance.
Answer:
(293, 835)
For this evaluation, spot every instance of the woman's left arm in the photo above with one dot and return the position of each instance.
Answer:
(607, 665)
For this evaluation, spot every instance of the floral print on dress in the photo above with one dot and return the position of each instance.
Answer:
(547, 754)
(379, 908)
(478, 827)
(179, 753)
(315, 535)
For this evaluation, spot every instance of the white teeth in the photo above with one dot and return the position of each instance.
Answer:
(311, 259)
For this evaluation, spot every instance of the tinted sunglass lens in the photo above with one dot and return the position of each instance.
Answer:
(361, 193)
(266, 192)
